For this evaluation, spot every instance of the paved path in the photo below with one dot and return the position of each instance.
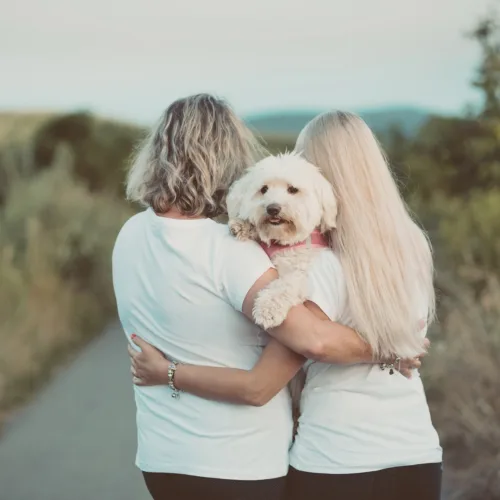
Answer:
(76, 440)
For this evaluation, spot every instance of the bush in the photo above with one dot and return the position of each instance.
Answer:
(462, 385)
(451, 156)
(56, 238)
(100, 148)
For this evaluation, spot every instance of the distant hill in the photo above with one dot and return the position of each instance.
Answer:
(409, 120)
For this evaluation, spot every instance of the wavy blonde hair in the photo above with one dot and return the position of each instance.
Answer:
(386, 257)
(189, 160)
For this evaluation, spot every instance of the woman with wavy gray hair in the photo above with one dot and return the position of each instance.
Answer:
(188, 287)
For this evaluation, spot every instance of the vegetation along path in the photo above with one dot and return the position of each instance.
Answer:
(77, 439)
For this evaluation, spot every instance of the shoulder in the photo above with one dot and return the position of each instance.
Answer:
(239, 264)
(327, 284)
(131, 225)
(230, 246)
(326, 262)
(326, 271)
(137, 220)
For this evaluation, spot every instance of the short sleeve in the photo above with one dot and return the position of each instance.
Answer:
(242, 264)
(326, 284)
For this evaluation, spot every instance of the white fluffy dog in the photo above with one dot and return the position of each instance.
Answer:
(289, 207)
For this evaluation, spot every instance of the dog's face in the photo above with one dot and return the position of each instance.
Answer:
(285, 198)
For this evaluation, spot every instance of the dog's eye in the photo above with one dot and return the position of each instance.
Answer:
(263, 189)
(292, 190)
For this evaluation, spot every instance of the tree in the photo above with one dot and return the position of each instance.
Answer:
(487, 80)
(451, 168)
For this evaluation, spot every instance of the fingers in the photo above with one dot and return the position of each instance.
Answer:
(422, 323)
(139, 342)
(132, 352)
(407, 366)
(427, 344)
(134, 359)
(410, 364)
(135, 377)
(416, 363)
(145, 346)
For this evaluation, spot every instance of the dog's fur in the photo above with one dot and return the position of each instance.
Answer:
(305, 201)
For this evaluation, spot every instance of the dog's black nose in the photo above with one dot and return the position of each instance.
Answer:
(273, 209)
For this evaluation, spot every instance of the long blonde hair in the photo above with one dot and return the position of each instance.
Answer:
(190, 158)
(386, 257)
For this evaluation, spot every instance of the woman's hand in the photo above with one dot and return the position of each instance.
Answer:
(406, 366)
(149, 365)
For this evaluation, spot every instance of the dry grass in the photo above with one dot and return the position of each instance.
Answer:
(462, 386)
(56, 237)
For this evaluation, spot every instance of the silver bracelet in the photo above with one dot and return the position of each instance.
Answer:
(392, 366)
(171, 378)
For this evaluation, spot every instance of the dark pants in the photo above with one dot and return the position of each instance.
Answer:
(416, 482)
(181, 487)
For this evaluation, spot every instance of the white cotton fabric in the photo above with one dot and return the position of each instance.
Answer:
(358, 418)
(180, 285)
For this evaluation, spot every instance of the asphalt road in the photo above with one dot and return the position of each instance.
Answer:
(76, 440)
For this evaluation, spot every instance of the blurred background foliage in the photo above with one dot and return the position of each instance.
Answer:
(62, 204)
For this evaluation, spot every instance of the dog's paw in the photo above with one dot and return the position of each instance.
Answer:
(268, 310)
(241, 230)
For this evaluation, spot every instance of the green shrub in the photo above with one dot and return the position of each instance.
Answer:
(100, 148)
(56, 238)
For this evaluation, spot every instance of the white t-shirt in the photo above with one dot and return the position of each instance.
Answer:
(180, 285)
(358, 418)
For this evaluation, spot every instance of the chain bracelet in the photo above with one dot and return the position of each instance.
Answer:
(392, 366)
(171, 379)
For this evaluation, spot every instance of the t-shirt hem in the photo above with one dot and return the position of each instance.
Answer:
(209, 472)
(329, 469)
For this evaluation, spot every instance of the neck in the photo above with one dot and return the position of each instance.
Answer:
(174, 213)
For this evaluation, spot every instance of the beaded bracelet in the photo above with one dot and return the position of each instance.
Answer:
(171, 379)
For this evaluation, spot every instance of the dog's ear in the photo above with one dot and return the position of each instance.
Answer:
(328, 202)
(235, 197)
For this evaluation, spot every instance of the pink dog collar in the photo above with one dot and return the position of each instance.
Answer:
(315, 240)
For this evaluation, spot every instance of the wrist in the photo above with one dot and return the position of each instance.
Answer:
(367, 355)
(253, 389)
(366, 351)
(163, 373)
(181, 372)
(172, 369)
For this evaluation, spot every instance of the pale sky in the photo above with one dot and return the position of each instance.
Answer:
(131, 58)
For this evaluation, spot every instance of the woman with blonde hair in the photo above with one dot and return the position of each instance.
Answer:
(183, 282)
(362, 433)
